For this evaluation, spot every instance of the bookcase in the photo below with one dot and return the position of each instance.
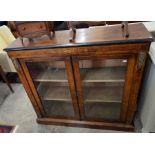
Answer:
(93, 82)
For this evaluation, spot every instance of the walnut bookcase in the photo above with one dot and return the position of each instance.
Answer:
(93, 82)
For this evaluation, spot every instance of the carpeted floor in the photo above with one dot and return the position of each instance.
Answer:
(4, 92)
(16, 109)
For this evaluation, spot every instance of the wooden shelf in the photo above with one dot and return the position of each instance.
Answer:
(50, 75)
(108, 74)
(103, 94)
(55, 93)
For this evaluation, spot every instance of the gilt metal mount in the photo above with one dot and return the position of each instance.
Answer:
(141, 60)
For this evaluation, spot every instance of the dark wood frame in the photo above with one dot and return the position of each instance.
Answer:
(127, 85)
(70, 77)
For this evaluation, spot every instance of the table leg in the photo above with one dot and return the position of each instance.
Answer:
(5, 79)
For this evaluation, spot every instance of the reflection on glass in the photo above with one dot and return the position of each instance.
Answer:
(51, 82)
(102, 83)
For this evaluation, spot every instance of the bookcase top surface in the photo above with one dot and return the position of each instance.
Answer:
(93, 36)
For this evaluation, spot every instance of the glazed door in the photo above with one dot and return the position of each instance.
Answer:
(52, 84)
(103, 86)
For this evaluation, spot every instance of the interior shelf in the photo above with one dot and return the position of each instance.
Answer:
(103, 94)
(103, 111)
(56, 93)
(50, 75)
(58, 108)
(108, 74)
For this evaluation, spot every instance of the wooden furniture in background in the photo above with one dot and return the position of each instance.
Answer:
(33, 29)
(62, 25)
(12, 26)
(93, 82)
(5, 79)
(72, 25)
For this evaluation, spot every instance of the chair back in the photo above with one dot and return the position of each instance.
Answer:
(6, 34)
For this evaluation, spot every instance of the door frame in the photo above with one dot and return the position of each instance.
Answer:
(131, 61)
(70, 77)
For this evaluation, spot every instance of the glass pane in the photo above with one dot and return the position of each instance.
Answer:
(51, 82)
(102, 84)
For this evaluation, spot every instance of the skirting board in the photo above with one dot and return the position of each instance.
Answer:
(87, 124)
